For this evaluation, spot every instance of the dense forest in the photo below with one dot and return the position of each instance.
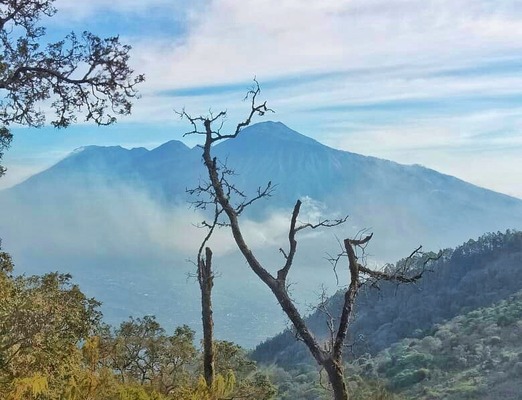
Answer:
(54, 344)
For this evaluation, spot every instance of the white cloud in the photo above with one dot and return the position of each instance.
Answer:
(482, 148)
(233, 40)
(388, 51)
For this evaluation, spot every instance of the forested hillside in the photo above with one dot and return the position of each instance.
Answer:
(476, 274)
(477, 355)
(474, 356)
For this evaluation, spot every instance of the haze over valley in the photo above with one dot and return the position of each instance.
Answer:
(120, 221)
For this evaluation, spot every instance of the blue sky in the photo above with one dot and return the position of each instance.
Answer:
(438, 83)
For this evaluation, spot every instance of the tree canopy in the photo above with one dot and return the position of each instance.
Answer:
(53, 346)
(79, 75)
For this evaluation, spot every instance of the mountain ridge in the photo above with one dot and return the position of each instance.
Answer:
(269, 133)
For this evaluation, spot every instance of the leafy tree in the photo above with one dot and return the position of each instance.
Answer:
(78, 75)
(250, 382)
(141, 352)
(43, 319)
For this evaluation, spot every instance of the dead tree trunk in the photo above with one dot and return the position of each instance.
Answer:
(335, 371)
(206, 282)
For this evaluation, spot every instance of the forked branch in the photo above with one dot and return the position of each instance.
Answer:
(294, 229)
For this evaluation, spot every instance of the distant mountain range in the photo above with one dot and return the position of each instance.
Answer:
(97, 212)
(400, 203)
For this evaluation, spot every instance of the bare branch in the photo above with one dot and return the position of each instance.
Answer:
(323, 308)
(402, 273)
(350, 295)
(327, 223)
(283, 272)
(215, 135)
(261, 193)
(230, 202)
(259, 109)
(30, 75)
(211, 227)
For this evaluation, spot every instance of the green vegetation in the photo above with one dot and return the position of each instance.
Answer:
(476, 274)
(53, 345)
(477, 355)
(469, 357)
(305, 382)
(473, 356)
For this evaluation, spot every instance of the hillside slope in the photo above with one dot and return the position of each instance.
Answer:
(476, 274)
(477, 355)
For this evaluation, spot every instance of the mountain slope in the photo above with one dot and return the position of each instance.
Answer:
(477, 355)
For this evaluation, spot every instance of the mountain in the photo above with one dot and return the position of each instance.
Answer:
(118, 219)
(402, 204)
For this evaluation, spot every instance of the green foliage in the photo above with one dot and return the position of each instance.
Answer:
(28, 388)
(32, 72)
(408, 377)
(6, 263)
(84, 75)
(42, 320)
(140, 351)
(465, 358)
(5, 141)
(307, 383)
(54, 347)
(230, 356)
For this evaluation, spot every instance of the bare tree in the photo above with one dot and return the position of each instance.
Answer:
(206, 282)
(205, 276)
(79, 75)
(230, 202)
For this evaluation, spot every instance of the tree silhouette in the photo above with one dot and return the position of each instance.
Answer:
(79, 75)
